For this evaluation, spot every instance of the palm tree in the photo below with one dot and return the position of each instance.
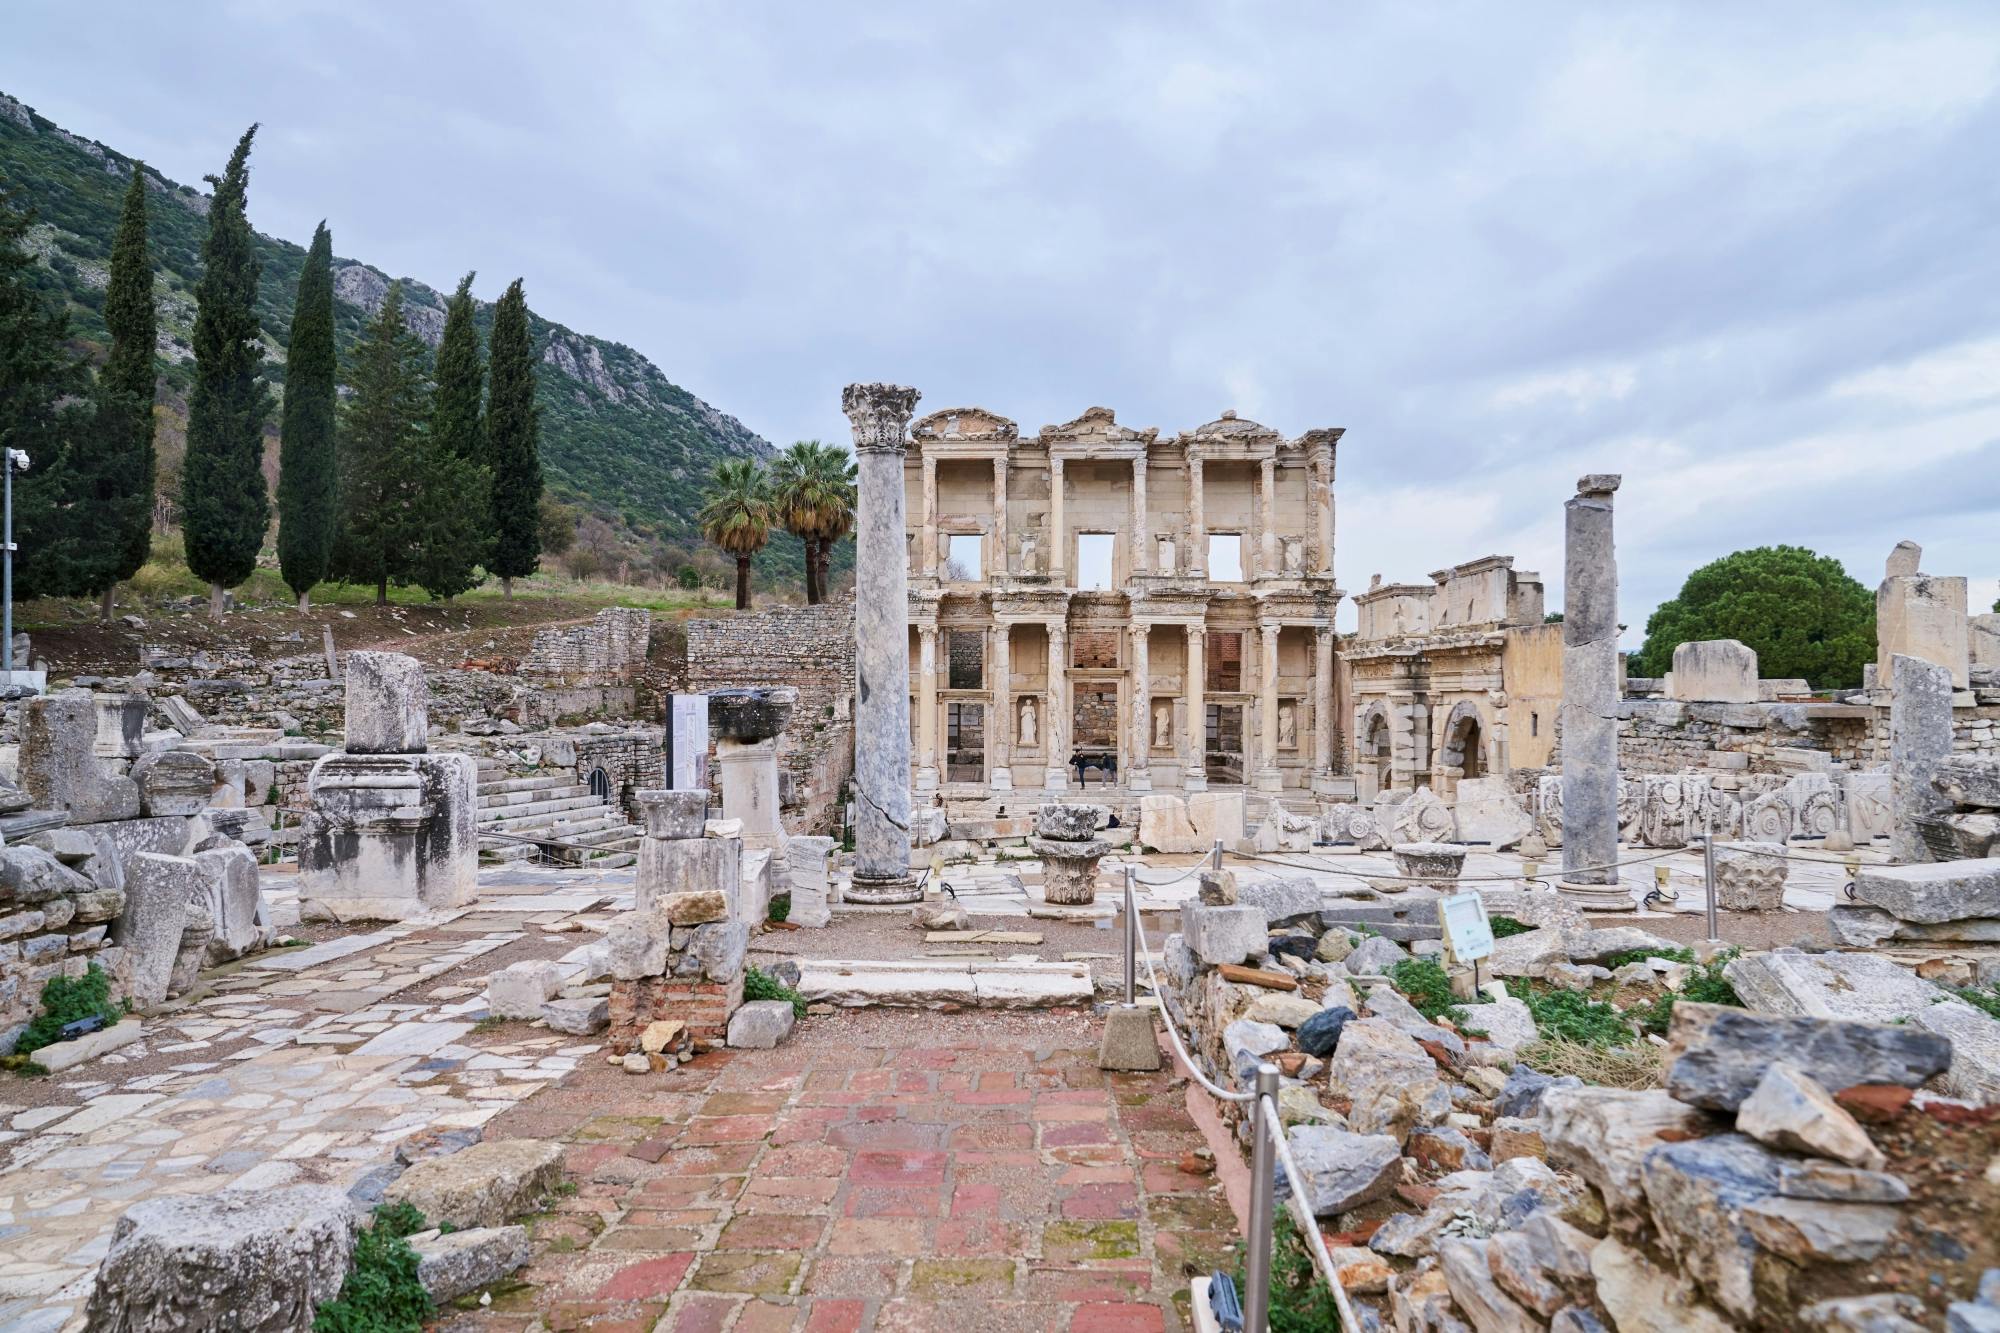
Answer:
(813, 496)
(737, 516)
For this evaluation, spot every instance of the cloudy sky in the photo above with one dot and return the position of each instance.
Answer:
(1745, 255)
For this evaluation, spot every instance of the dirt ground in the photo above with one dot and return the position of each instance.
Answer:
(1747, 930)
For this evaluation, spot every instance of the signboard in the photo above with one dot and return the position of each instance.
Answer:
(687, 742)
(1468, 935)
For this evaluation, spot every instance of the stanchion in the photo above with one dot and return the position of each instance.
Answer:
(1216, 863)
(1129, 1043)
(1263, 1167)
(1131, 942)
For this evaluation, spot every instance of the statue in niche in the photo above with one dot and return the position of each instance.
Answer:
(1167, 557)
(1030, 550)
(1029, 727)
(1294, 555)
(1288, 725)
(1163, 726)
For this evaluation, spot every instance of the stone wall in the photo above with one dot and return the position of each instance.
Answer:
(614, 644)
(53, 922)
(810, 648)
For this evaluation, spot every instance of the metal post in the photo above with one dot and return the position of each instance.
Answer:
(1708, 873)
(1263, 1164)
(1217, 854)
(1131, 943)
(7, 549)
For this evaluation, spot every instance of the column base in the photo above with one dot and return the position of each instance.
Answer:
(895, 889)
(1598, 897)
(926, 780)
(1141, 779)
(1055, 779)
(1195, 782)
(1001, 779)
(1268, 779)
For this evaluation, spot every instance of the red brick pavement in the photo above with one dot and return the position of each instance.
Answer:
(988, 1179)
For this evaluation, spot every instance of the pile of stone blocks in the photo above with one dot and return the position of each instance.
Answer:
(392, 834)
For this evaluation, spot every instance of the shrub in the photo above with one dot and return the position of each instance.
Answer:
(1618, 960)
(1503, 926)
(1574, 1016)
(1982, 997)
(761, 985)
(1705, 985)
(779, 908)
(381, 1293)
(1428, 987)
(64, 1001)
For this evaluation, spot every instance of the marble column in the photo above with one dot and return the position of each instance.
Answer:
(1056, 717)
(880, 414)
(1590, 698)
(1142, 547)
(1322, 705)
(1323, 455)
(1268, 777)
(1267, 518)
(927, 709)
(1194, 735)
(1000, 723)
(1058, 534)
(999, 559)
(1140, 762)
(927, 532)
(1919, 736)
(1197, 523)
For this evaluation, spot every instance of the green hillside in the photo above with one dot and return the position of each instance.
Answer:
(619, 439)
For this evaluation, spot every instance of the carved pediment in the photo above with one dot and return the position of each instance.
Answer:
(964, 423)
(1097, 425)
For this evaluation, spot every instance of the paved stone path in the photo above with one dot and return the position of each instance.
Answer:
(885, 1170)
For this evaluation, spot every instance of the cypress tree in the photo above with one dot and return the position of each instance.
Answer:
(41, 385)
(512, 441)
(307, 468)
(119, 489)
(383, 459)
(451, 516)
(224, 506)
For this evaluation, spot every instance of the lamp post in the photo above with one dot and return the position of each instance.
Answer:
(16, 459)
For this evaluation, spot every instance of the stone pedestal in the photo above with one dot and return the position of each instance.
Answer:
(1129, 1042)
(1919, 740)
(750, 792)
(60, 765)
(811, 882)
(880, 414)
(1066, 842)
(1590, 698)
(390, 836)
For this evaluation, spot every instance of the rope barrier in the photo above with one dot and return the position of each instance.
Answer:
(1167, 1021)
(1462, 879)
(1302, 1214)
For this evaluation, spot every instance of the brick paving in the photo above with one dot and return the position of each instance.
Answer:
(884, 1170)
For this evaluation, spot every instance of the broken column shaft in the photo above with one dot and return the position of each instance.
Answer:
(1590, 696)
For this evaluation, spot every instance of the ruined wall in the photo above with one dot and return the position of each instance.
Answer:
(812, 649)
(1531, 674)
(613, 644)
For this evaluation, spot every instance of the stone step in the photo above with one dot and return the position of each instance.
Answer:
(542, 791)
(555, 805)
(526, 782)
(941, 984)
(548, 819)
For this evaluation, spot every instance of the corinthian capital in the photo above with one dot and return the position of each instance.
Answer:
(880, 413)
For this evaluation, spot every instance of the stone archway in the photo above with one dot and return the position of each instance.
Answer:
(1374, 755)
(1462, 752)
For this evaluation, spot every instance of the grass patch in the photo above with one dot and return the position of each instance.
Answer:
(1985, 998)
(761, 985)
(1618, 960)
(23, 1065)
(1427, 987)
(67, 1000)
(381, 1293)
(1504, 926)
(1638, 1066)
(1575, 1017)
(1300, 1299)
(1705, 985)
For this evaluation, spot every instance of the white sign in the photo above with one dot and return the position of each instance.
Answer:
(1468, 935)
(687, 742)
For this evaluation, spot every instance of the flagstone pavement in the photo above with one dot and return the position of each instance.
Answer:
(884, 1170)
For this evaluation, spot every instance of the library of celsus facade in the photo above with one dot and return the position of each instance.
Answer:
(1101, 606)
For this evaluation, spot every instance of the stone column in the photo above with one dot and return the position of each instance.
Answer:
(1055, 718)
(999, 560)
(1197, 523)
(1322, 704)
(1590, 697)
(927, 533)
(1268, 777)
(1267, 514)
(1142, 549)
(1058, 537)
(1194, 740)
(1000, 726)
(880, 414)
(927, 750)
(1323, 455)
(1140, 776)
(1919, 736)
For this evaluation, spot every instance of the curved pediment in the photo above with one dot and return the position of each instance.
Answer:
(964, 423)
(1098, 425)
(1231, 429)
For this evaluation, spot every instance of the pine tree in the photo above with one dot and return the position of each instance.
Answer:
(41, 385)
(453, 511)
(115, 481)
(307, 465)
(383, 461)
(224, 506)
(512, 440)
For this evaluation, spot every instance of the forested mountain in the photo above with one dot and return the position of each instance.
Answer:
(619, 439)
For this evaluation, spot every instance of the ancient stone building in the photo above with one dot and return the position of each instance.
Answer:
(1097, 604)
(1456, 678)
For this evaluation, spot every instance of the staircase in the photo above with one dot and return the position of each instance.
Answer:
(550, 806)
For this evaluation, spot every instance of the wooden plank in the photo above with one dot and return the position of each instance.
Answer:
(1256, 976)
(982, 937)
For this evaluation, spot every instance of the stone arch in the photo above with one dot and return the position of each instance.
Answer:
(1462, 745)
(600, 783)
(1374, 741)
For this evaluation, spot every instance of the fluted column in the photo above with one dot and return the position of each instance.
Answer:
(927, 537)
(999, 560)
(927, 708)
(880, 414)
(1268, 776)
(1058, 534)
(1194, 738)
(1140, 778)
(1000, 726)
(1056, 717)
(1197, 521)
(1322, 704)
(1142, 548)
(1590, 697)
(1267, 510)
(1323, 456)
